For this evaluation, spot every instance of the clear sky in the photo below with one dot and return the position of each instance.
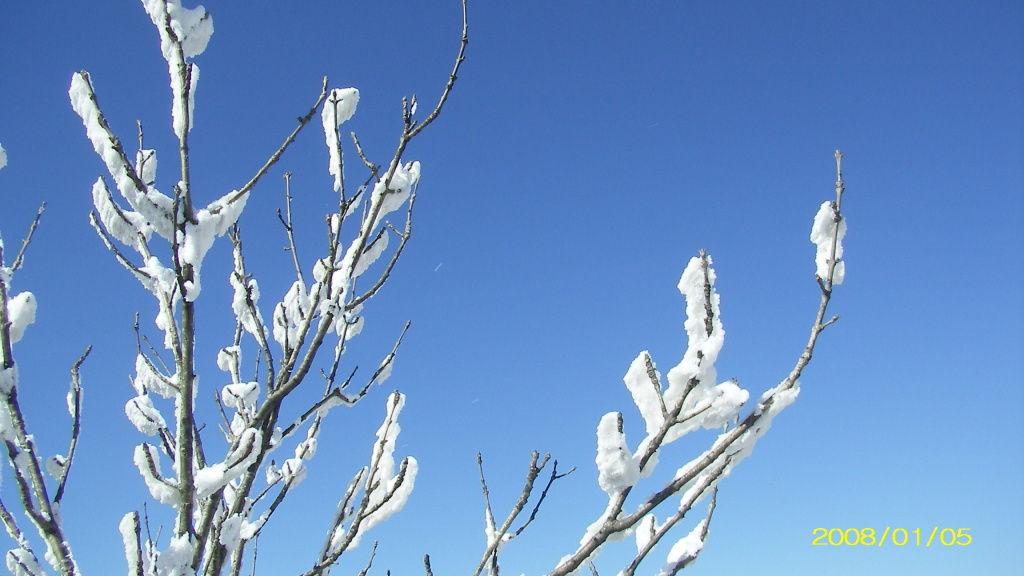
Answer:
(588, 151)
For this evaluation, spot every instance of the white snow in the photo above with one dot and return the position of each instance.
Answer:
(822, 234)
(726, 399)
(646, 394)
(686, 549)
(388, 495)
(145, 166)
(153, 213)
(391, 195)
(702, 348)
(289, 315)
(384, 448)
(616, 467)
(148, 379)
(144, 416)
(192, 27)
(191, 30)
(293, 472)
(742, 446)
(161, 281)
(781, 398)
(229, 359)
(55, 466)
(244, 293)
(124, 225)
(371, 252)
(306, 449)
(21, 311)
(385, 368)
(72, 399)
(594, 527)
(713, 405)
(349, 324)
(645, 531)
(83, 101)
(130, 532)
(3, 157)
(160, 489)
(23, 461)
(213, 221)
(320, 268)
(151, 210)
(231, 532)
(212, 478)
(399, 496)
(491, 532)
(183, 101)
(340, 106)
(175, 560)
(241, 396)
(21, 563)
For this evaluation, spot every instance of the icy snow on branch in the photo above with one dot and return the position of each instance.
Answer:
(211, 222)
(692, 399)
(390, 193)
(187, 28)
(184, 34)
(21, 312)
(340, 106)
(617, 469)
(153, 207)
(827, 234)
(149, 210)
(385, 492)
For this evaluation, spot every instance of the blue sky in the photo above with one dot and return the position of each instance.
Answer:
(588, 151)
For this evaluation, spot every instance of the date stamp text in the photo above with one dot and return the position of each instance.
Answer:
(891, 537)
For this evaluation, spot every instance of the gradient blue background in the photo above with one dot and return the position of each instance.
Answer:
(588, 151)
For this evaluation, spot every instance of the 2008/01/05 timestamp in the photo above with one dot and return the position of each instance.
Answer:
(891, 536)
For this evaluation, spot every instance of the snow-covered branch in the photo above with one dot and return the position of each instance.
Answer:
(692, 400)
(384, 492)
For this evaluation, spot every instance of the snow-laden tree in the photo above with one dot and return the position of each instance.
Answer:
(222, 496)
(223, 485)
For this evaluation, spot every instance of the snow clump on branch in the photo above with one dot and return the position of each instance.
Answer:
(822, 234)
(21, 310)
(341, 105)
(191, 29)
